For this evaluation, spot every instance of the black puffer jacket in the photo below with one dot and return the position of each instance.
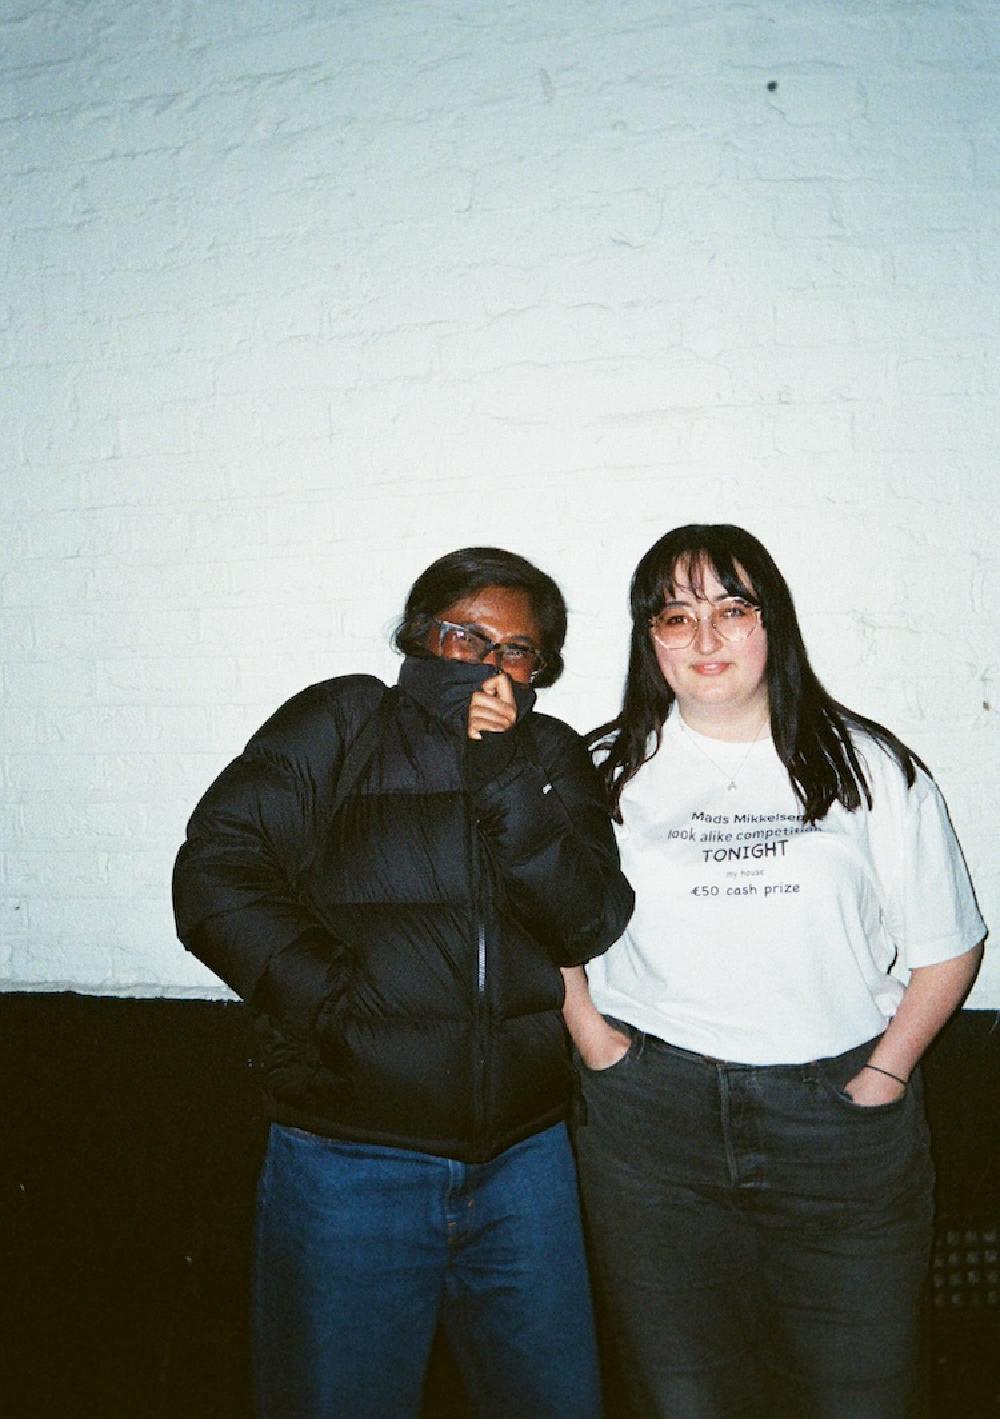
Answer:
(403, 954)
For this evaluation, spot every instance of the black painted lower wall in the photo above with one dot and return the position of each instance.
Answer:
(129, 1154)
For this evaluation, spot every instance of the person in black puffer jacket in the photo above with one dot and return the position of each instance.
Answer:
(391, 879)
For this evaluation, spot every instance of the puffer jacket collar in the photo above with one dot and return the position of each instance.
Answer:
(444, 687)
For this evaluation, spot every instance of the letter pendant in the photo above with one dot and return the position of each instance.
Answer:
(731, 785)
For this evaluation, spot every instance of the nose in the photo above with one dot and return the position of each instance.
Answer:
(706, 637)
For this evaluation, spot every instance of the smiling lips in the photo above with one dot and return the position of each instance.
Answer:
(710, 667)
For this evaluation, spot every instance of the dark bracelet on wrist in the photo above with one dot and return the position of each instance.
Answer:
(888, 1074)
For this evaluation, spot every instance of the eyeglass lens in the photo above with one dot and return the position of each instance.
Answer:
(462, 643)
(732, 620)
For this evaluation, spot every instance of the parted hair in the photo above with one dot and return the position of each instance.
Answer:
(458, 574)
(811, 730)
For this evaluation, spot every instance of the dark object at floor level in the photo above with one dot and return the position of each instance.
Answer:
(126, 1189)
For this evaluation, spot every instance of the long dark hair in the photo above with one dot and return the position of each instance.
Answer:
(810, 729)
(458, 574)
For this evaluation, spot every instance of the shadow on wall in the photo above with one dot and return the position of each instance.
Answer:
(127, 1178)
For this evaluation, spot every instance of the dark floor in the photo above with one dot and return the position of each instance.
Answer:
(126, 1189)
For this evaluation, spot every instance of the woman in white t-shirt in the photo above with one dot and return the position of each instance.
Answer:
(754, 1157)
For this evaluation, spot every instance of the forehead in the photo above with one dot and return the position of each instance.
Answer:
(505, 611)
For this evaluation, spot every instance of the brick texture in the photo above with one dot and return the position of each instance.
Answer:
(297, 297)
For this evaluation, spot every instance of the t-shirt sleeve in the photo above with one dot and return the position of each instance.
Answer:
(928, 898)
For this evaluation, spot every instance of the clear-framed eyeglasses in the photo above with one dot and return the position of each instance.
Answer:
(734, 619)
(521, 661)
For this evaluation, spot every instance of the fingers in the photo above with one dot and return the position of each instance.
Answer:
(504, 689)
(492, 709)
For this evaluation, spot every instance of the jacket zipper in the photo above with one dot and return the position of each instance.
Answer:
(479, 1002)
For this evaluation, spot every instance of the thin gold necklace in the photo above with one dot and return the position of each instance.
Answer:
(731, 778)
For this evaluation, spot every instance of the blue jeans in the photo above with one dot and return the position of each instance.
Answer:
(362, 1249)
(760, 1242)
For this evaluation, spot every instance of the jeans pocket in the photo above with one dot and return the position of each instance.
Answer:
(835, 1090)
(632, 1051)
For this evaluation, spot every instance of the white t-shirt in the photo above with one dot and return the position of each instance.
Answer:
(759, 939)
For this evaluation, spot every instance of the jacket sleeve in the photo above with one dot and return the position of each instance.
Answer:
(236, 903)
(547, 830)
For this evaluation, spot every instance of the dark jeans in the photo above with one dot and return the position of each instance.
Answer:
(362, 1249)
(760, 1242)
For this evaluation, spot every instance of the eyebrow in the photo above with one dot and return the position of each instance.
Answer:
(676, 600)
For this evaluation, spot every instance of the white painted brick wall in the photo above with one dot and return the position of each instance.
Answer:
(297, 297)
